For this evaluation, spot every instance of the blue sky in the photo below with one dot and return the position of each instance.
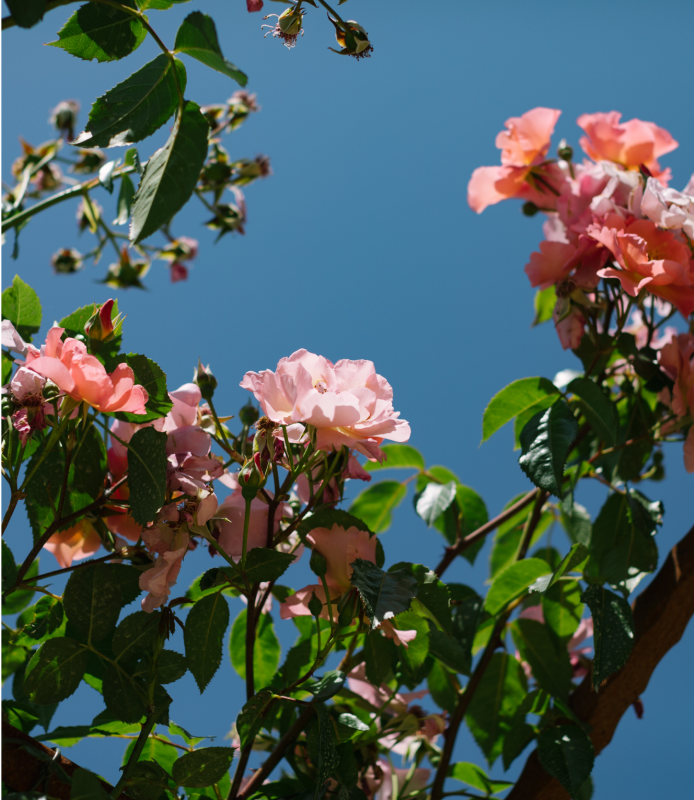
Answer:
(361, 245)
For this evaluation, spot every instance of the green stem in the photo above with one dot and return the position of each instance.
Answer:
(50, 444)
(246, 521)
(147, 728)
(220, 428)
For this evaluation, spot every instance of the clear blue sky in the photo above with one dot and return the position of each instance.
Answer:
(361, 245)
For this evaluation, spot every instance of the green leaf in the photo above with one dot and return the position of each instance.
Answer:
(508, 536)
(398, 456)
(375, 505)
(327, 517)
(87, 786)
(9, 567)
(12, 657)
(597, 408)
(266, 650)
(92, 601)
(137, 107)
(384, 594)
(155, 750)
(129, 579)
(619, 548)
(21, 598)
(204, 635)
(55, 671)
(449, 651)
(577, 524)
(21, 305)
(48, 622)
(613, 631)
(513, 581)
(125, 697)
(545, 441)
(513, 400)
(171, 666)
(477, 778)
(414, 663)
(545, 300)
(146, 474)
(515, 741)
(250, 719)
(567, 754)
(548, 661)
(147, 781)
(432, 593)
(134, 636)
(197, 37)
(328, 686)
(27, 13)
(523, 418)
(466, 618)
(21, 715)
(380, 657)
(126, 193)
(171, 174)
(441, 687)
(102, 32)
(149, 375)
(562, 608)
(263, 564)
(328, 759)
(7, 367)
(434, 500)
(202, 767)
(574, 558)
(492, 708)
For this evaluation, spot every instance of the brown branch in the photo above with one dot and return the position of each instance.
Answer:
(661, 614)
(482, 531)
(22, 769)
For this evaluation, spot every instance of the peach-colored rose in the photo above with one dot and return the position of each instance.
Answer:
(84, 378)
(648, 258)
(632, 144)
(170, 543)
(523, 146)
(230, 518)
(78, 542)
(677, 361)
(348, 402)
(570, 328)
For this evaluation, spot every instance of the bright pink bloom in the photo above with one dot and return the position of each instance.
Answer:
(170, 543)
(524, 147)
(677, 361)
(348, 402)
(649, 258)
(632, 144)
(232, 512)
(74, 544)
(84, 378)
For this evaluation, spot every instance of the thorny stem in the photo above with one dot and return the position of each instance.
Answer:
(114, 554)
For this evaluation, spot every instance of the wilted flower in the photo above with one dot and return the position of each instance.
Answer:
(182, 249)
(64, 117)
(246, 171)
(124, 274)
(229, 217)
(67, 261)
(288, 27)
(89, 161)
(178, 272)
(89, 213)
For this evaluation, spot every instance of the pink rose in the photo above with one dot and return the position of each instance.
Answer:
(11, 339)
(170, 543)
(84, 378)
(524, 147)
(677, 361)
(668, 208)
(632, 144)
(348, 403)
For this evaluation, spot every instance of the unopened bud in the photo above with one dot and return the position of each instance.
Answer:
(50, 390)
(290, 22)
(565, 151)
(249, 414)
(352, 38)
(347, 608)
(529, 209)
(314, 605)
(251, 480)
(100, 327)
(318, 564)
(7, 405)
(205, 380)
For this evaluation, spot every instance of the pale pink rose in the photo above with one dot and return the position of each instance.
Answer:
(84, 378)
(570, 328)
(27, 389)
(78, 542)
(185, 401)
(170, 543)
(524, 146)
(11, 339)
(399, 637)
(632, 144)
(648, 258)
(26, 383)
(355, 471)
(669, 208)
(230, 518)
(341, 547)
(347, 402)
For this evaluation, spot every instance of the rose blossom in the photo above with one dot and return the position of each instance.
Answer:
(232, 512)
(677, 361)
(632, 144)
(78, 542)
(668, 208)
(523, 148)
(170, 543)
(348, 402)
(83, 377)
(11, 339)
